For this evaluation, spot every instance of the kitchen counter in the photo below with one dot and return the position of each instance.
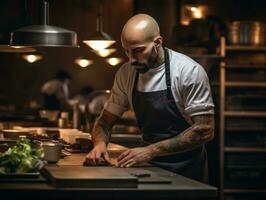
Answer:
(179, 187)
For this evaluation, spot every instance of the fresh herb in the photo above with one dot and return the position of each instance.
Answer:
(21, 158)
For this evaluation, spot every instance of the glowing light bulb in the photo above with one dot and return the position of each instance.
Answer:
(114, 61)
(31, 58)
(193, 9)
(83, 62)
(99, 44)
(198, 14)
(105, 52)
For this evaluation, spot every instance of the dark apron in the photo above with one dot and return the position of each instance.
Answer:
(159, 118)
(51, 102)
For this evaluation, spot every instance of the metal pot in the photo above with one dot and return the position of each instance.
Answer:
(247, 33)
(52, 151)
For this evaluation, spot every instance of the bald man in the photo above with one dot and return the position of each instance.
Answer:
(170, 95)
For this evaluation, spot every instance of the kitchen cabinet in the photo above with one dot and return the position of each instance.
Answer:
(243, 123)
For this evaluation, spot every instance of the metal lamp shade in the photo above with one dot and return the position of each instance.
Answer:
(4, 48)
(100, 40)
(43, 36)
(105, 52)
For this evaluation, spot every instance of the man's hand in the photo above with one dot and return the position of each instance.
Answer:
(97, 153)
(135, 156)
(100, 138)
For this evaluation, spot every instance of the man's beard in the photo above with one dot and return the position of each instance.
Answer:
(144, 67)
(140, 67)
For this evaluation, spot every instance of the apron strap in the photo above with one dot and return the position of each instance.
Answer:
(167, 76)
(167, 72)
(135, 88)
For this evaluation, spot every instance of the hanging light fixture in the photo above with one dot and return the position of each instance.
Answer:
(83, 62)
(113, 61)
(44, 35)
(104, 52)
(196, 10)
(6, 48)
(31, 58)
(99, 40)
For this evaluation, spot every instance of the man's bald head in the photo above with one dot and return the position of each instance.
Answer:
(140, 28)
(142, 42)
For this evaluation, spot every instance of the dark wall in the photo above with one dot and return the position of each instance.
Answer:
(242, 9)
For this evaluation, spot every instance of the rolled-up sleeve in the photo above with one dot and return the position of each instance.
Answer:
(118, 102)
(196, 94)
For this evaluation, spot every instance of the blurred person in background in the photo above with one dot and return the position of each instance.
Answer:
(83, 97)
(55, 92)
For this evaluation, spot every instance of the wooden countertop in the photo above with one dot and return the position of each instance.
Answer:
(179, 188)
(78, 158)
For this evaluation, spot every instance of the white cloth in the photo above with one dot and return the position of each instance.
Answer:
(189, 82)
(59, 88)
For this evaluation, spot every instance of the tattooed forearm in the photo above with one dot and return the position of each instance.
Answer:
(102, 128)
(199, 133)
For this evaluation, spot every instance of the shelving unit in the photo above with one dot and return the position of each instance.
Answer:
(245, 48)
(242, 166)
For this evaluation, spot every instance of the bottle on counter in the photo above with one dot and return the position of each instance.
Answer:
(76, 116)
(63, 120)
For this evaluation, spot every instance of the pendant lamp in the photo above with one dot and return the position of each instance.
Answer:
(99, 40)
(32, 58)
(83, 62)
(113, 61)
(104, 52)
(44, 35)
(6, 48)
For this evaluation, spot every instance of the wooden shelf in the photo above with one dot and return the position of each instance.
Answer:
(245, 48)
(244, 84)
(205, 56)
(244, 191)
(245, 113)
(245, 149)
(245, 66)
(251, 129)
(235, 51)
(245, 166)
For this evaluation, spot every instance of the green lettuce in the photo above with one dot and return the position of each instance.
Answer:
(21, 158)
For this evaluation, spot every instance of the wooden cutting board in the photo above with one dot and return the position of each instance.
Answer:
(93, 177)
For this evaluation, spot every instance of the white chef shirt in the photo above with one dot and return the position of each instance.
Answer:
(189, 84)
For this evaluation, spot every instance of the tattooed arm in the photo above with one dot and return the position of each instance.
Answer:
(100, 137)
(102, 128)
(198, 134)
